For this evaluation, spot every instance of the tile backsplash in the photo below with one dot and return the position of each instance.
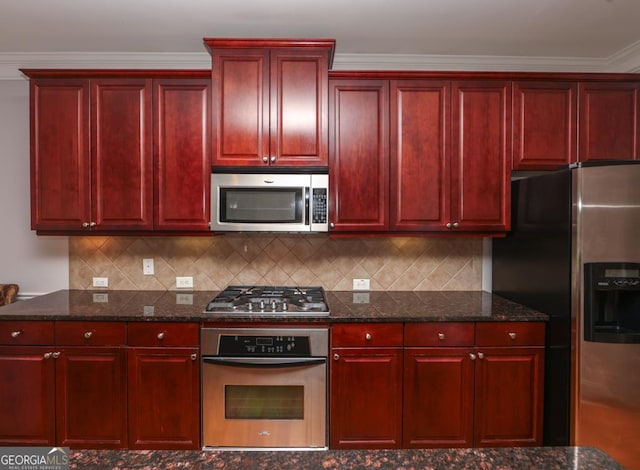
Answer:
(396, 263)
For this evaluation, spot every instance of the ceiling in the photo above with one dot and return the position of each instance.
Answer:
(586, 35)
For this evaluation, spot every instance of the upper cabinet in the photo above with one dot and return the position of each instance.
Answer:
(270, 101)
(419, 155)
(114, 152)
(609, 120)
(544, 124)
(91, 154)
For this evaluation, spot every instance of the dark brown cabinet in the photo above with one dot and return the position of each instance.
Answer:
(91, 154)
(359, 155)
(461, 392)
(164, 386)
(544, 124)
(609, 120)
(366, 386)
(270, 101)
(182, 153)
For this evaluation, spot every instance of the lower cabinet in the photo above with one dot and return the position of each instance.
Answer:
(164, 386)
(462, 384)
(77, 384)
(366, 386)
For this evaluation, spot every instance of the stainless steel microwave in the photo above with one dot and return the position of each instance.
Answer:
(262, 202)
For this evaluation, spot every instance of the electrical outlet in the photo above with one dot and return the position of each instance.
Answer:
(184, 299)
(100, 282)
(361, 284)
(184, 282)
(147, 266)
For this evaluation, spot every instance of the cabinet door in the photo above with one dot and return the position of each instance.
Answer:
(509, 397)
(60, 154)
(121, 161)
(182, 147)
(438, 397)
(609, 121)
(164, 398)
(359, 155)
(240, 106)
(91, 399)
(27, 396)
(298, 107)
(481, 149)
(544, 125)
(420, 169)
(366, 398)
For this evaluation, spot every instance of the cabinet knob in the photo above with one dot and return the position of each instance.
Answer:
(161, 335)
(15, 334)
(513, 336)
(194, 356)
(448, 225)
(273, 159)
(85, 224)
(92, 224)
(55, 355)
(265, 159)
(88, 334)
(336, 356)
(332, 225)
(480, 355)
(472, 356)
(47, 355)
(456, 225)
(368, 336)
(440, 336)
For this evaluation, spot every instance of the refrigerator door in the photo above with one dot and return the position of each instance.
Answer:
(605, 376)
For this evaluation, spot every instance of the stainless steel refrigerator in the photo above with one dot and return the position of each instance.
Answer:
(574, 253)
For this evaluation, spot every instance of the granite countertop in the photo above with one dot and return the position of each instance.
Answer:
(345, 306)
(520, 458)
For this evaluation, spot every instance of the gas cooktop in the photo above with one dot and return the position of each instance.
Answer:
(269, 301)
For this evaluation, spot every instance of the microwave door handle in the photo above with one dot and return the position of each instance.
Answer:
(307, 196)
(264, 362)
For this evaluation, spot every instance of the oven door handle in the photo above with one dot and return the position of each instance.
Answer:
(259, 362)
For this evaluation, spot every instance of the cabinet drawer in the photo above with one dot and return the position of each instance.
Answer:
(439, 334)
(163, 334)
(367, 334)
(26, 332)
(90, 333)
(510, 334)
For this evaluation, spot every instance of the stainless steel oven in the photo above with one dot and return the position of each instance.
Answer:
(264, 388)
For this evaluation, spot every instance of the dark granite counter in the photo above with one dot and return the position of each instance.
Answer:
(523, 458)
(374, 306)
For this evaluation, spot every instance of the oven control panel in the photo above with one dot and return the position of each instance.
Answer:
(249, 345)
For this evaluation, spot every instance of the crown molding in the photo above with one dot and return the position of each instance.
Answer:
(626, 60)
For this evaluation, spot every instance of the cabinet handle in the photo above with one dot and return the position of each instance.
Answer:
(88, 334)
(368, 336)
(472, 356)
(161, 335)
(513, 336)
(480, 355)
(15, 334)
(85, 224)
(92, 224)
(194, 356)
(440, 336)
(456, 225)
(448, 225)
(56, 355)
(336, 356)
(265, 159)
(47, 355)
(273, 159)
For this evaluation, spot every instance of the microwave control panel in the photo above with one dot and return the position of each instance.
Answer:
(319, 207)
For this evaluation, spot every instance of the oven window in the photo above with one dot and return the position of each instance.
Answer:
(264, 402)
(268, 205)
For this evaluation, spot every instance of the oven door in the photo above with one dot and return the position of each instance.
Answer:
(264, 402)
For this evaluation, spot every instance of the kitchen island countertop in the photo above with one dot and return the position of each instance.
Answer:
(520, 458)
(345, 306)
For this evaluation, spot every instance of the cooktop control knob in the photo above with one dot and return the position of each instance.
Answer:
(262, 305)
(273, 305)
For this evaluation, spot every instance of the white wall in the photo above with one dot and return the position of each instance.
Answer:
(38, 264)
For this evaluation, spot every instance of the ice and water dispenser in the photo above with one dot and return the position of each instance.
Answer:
(612, 302)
